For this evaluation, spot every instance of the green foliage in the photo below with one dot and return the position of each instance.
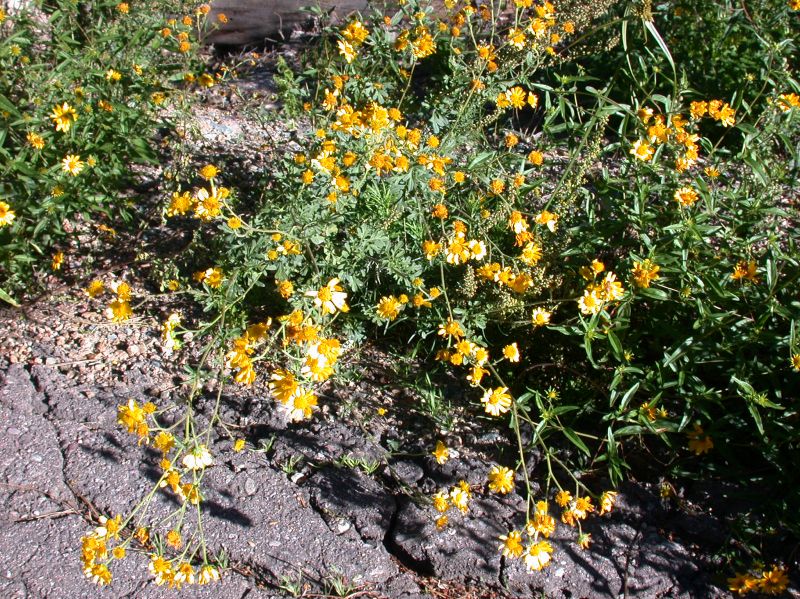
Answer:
(109, 71)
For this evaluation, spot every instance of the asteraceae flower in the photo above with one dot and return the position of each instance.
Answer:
(511, 352)
(208, 172)
(207, 573)
(302, 405)
(541, 524)
(460, 498)
(548, 219)
(607, 501)
(745, 270)
(501, 480)
(347, 50)
(330, 298)
(512, 544)
(63, 116)
(120, 310)
(388, 307)
(95, 288)
(496, 401)
(198, 458)
(742, 584)
(7, 215)
(795, 362)
(441, 453)
(72, 164)
(540, 317)
(584, 539)
(644, 272)
(451, 329)
(685, 196)
(773, 582)
(563, 498)
(699, 443)
(35, 140)
(538, 555)
(132, 417)
(590, 302)
(642, 150)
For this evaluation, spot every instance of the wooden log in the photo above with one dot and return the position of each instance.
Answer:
(255, 21)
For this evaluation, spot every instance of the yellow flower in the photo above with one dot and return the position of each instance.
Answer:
(642, 150)
(58, 261)
(63, 116)
(389, 307)
(540, 317)
(440, 502)
(607, 501)
(120, 310)
(441, 453)
(301, 405)
(72, 164)
(563, 498)
(347, 50)
(548, 219)
(112, 75)
(460, 498)
(698, 441)
(451, 328)
(285, 288)
(538, 555)
(330, 297)
(773, 582)
(208, 172)
(745, 270)
(238, 445)
(742, 584)
(511, 352)
(644, 272)
(7, 215)
(795, 362)
(35, 140)
(198, 459)
(512, 544)
(501, 480)
(496, 401)
(685, 196)
(95, 288)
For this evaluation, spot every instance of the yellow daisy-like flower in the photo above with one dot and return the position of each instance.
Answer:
(208, 172)
(501, 480)
(120, 310)
(642, 150)
(644, 272)
(7, 215)
(699, 442)
(511, 352)
(95, 288)
(496, 401)
(607, 501)
(388, 307)
(330, 297)
(512, 544)
(35, 140)
(72, 164)
(538, 555)
(540, 317)
(441, 453)
(63, 116)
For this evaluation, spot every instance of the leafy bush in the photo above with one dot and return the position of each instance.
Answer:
(592, 229)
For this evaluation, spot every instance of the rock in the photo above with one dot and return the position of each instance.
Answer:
(254, 21)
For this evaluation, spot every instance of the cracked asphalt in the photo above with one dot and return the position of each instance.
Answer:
(293, 513)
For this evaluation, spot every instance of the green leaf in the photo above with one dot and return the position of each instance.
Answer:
(576, 441)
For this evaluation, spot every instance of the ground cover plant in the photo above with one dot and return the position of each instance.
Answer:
(585, 219)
